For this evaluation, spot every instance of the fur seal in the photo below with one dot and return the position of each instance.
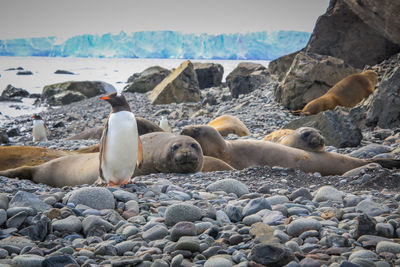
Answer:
(306, 138)
(347, 92)
(211, 164)
(242, 154)
(16, 156)
(39, 130)
(144, 126)
(227, 124)
(163, 152)
(120, 145)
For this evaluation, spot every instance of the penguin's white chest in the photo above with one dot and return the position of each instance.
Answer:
(39, 131)
(121, 147)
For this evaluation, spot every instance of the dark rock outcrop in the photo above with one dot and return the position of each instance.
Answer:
(362, 32)
(246, 77)
(180, 86)
(64, 72)
(208, 74)
(146, 80)
(25, 72)
(12, 91)
(73, 91)
(281, 65)
(384, 108)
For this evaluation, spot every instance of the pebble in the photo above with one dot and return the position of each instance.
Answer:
(229, 186)
(69, 224)
(371, 208)
(182, 212)
(218, 261)
(328, 193)
(94, 197)
(256, 205)
(301, 225)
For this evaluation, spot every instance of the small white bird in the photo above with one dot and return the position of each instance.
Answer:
(39, 130)
(165, 125)
(120, 146)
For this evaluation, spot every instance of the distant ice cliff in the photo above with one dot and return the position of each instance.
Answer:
(162, 44)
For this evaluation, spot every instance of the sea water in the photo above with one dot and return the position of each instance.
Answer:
(115, 71)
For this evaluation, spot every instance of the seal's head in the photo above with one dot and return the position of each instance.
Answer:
(185, 155)
(312, 138)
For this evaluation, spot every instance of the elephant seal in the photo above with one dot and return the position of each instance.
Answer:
(162, 152)
(64, 171)
(144, 126)
(15, 156)
(227, 124)
(306, 138)
(211, 164)
(242, 154)
(170, 153)
(347, 92)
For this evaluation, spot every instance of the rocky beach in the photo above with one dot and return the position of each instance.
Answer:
(259, 216)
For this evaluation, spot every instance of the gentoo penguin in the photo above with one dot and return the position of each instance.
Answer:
(164, 124)
(120, 145)
(39, 130)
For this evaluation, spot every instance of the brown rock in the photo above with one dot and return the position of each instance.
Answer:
(180, 86)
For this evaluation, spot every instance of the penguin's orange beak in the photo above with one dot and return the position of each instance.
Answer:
(105, 97)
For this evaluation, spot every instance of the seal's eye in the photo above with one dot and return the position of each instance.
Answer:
(175, 147)
(306, 134)
(195, 146)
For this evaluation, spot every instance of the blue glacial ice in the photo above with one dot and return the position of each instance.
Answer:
(162, 44)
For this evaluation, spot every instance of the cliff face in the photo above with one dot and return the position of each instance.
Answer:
(361, 32)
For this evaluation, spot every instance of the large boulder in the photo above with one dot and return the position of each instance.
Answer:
(362, 32)
(279, 67)
(146, 80)
(383, 109)
(208, 74)
(73, 91)
(12, 91)
(309, 77)
(336, 127)
(246, 77)
(180, 86)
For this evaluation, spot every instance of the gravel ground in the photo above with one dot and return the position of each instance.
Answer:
(259, 216)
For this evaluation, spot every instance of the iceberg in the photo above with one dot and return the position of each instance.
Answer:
(162, 44)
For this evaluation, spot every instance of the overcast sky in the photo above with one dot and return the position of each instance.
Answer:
(65, 18)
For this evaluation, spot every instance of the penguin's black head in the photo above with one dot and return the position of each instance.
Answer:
(36, 117)
(117, 101)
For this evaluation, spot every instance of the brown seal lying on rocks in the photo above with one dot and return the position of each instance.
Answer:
(227, 124)
(306, 138)
(347, 92)
(242, 154)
